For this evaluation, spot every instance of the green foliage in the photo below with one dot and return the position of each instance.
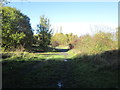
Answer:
(16, 29)
(58, 37)
(95, 44)
(44, 32)
(118, 36)
(103, 41)
(70, 38)
(63, 39)
(84, 68)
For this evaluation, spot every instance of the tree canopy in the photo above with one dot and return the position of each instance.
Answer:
(16, 29)
(44, 31)
(63, 39)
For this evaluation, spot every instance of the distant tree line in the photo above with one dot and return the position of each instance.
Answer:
(63, 39)
(17, 34)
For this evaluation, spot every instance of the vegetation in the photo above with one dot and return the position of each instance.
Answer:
(39, 71)
(44, 60)
(96, 44)
(16, 30)
(44, 32)
(64, 39)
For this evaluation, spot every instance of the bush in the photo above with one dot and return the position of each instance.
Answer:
(55, 44)
(98, 43)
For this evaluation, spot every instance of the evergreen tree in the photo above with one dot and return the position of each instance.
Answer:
(44, 32)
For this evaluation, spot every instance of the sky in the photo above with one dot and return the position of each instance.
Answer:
(75, 17)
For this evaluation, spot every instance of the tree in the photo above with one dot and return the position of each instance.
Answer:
(44, 31)
(118, 37)
(103, 41)
(16, 29)
(63, 39)
(71, 38)
(59, 37)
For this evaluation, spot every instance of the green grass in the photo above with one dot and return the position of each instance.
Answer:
(26, 56)
(35, 70)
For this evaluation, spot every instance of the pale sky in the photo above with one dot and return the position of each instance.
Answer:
(74, 17)
(84, 28)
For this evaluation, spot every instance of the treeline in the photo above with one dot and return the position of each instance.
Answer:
(63, 39)
(17, 34)
(97, 43)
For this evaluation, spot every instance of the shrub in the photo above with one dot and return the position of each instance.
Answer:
(55, 43)
(95, 44)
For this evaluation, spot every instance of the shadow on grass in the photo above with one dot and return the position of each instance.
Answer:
(33, 74)
(55, 50)
(107, 58)
(49, 49)
(93, 71)
(61, 50)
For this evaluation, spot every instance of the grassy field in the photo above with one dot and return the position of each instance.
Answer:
(47, 69)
